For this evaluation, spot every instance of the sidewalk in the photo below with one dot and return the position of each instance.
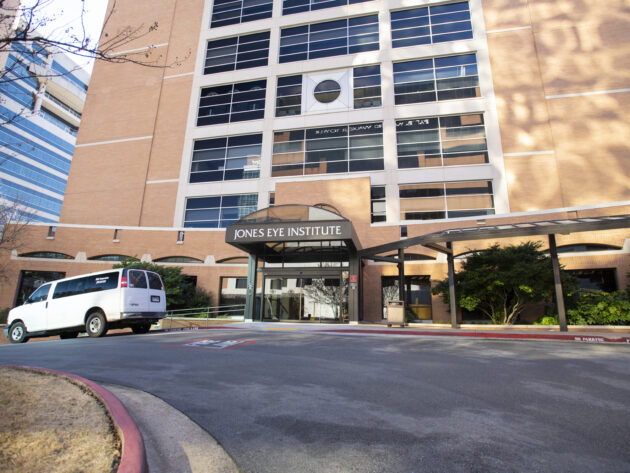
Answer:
(173, 442)
(589, 334)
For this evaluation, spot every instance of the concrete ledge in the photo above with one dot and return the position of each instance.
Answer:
(133, 458)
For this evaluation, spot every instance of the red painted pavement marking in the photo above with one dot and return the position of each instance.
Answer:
(545, 336)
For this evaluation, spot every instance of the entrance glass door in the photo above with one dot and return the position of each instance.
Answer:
(316, 299)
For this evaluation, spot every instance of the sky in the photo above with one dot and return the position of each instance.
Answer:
(64, 14)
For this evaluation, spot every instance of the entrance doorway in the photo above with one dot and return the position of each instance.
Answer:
(321, 298)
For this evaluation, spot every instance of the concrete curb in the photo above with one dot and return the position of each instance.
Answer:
(575, 337)
(133, 458)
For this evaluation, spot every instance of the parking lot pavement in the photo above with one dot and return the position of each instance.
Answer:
(296, 400)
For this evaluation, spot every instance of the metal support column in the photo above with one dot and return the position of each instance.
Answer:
(401, 279)
(451, 283)
(250, 297)
(553, 252)
(353, 288)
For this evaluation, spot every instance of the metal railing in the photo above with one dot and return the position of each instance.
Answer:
(200, 314)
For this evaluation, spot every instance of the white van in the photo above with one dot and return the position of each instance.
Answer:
(91, 303)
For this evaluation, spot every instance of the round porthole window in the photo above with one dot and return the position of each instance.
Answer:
(327, 91)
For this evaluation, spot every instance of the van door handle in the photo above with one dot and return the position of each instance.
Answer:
(46, 305)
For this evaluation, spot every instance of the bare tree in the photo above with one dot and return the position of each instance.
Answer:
(320, 292)
(22, 23)
(13, 222)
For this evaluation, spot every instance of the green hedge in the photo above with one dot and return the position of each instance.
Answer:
(595, 308)
(601, 308)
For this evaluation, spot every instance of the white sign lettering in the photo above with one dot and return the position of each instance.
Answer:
(287, 232)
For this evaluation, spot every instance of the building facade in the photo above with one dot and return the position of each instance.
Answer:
(42, 95)
(400, 118)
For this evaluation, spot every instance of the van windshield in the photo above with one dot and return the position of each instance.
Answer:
(41, 294)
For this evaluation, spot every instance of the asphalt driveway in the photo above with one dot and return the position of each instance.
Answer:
(289, 401)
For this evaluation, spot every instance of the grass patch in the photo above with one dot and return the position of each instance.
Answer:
(50, 424)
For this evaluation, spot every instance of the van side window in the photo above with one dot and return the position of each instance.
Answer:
(154, 281)
(85, 285)
(68, 288)
(137, 279)
(106, 281)
(41, 294)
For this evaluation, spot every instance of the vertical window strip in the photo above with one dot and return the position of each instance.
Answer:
(230, 12)
(232, 103)
(367, 86)
(289, 96)
(226, 159)
(332, 38)
(290, 7)
(341, 149)
(441, 141)
(436, 79)
(218, 211)
(378, 204)
(240, 52)
(439, 200)
(429, 25)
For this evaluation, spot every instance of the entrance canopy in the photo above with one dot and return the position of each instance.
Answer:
(546, 227)
(293, 233)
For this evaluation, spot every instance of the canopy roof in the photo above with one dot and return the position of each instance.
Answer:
(545, 227)
(292, 213)
(294, 233)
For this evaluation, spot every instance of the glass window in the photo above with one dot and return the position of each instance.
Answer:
(46, 254)
(296, 6)
(154, 281)
(41, 294)
(29, 280)
(446, 200)
(377, 198)
(230, 12)
(332, 38)
(110, 258)
(240, 52)
(339, 149)
(137, 279)
(441, 141)
(435, 24)
(218, 211)
(225, 159)
(366, 85)
(232, 103)
(430, 80)
(178, 259)
(604, 279)
(289, 96)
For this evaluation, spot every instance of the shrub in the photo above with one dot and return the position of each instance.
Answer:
(4, 313)
(502, 282)
(601, 308)
(547, 320)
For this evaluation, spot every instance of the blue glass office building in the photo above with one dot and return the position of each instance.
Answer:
(41, 100)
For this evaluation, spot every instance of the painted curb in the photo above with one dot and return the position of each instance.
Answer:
(133, 458)
(514, 336)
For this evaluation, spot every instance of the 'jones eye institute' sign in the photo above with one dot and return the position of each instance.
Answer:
(297, 231)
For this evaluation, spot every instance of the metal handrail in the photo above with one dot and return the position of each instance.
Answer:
(207, 313)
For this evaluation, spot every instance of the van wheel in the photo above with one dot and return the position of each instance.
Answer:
(17, 333)
(96, 326)
(144, 328)
(66, 335)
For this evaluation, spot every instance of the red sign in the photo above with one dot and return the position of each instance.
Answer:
(354, 278)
